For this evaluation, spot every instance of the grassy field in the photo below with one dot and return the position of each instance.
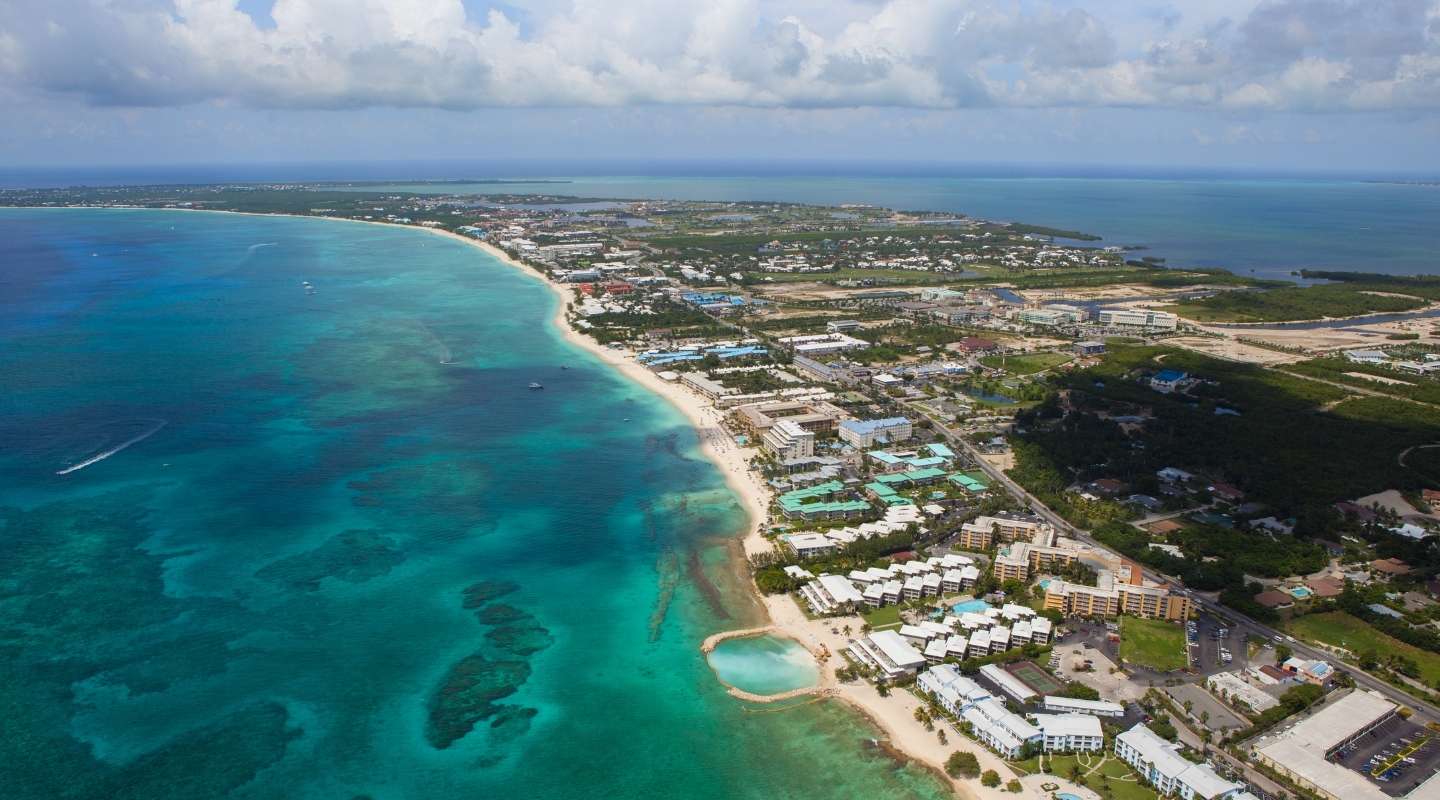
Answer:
(1027, 364)
(1104, 774)
(1153, 643)
(1342, 630)
(883, 617)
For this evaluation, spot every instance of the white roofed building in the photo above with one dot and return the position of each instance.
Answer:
(1160, 763)
(1071, 705)
(1065, 733)
(888, 652)
(1004, 731)
(1007, 683)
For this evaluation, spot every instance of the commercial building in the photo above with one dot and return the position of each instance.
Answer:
(866, 433)
(787, 440)
(842, 325)
(1232, 687)
(823, 344)
(1160, 763)
(1302, 753)
(1138, 318)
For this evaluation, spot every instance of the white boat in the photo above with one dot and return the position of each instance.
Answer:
(536, 385)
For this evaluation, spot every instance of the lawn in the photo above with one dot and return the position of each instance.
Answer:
(1104, 774)
(1343, 630)
(1027, 364)
(1153, 643)
(883, 617)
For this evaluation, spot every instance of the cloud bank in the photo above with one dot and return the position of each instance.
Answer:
(1282, 55)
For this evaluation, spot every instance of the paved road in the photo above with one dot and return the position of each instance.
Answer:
(1242, 623)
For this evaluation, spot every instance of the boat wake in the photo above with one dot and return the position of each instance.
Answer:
(446, 357)
(150, 427)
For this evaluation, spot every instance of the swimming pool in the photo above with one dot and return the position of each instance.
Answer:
(971, 606)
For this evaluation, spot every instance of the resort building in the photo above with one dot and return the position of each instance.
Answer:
(1001, 729)
(1160, 763)
(1021, 560)
(1302, 753)
(788, 440)
(817, 502)
(810, 545)
(889, 653)
(1006, 528)
(953, 691)
(1072, 705)
(829, 594)
(1068, 733)
(816, 416)
(866, 433)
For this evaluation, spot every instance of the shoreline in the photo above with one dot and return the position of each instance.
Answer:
(891, 716)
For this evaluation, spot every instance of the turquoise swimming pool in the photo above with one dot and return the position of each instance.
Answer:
(971, 606)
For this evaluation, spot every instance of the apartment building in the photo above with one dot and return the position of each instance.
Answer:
(1111, 598)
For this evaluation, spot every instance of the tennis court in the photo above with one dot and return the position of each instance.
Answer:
(1033, 676)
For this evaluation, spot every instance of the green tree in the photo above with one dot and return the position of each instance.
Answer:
(1013, 785)
(962, 764)
(990, 779)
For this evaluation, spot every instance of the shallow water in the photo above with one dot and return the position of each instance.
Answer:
(360, 558)
(764, 664)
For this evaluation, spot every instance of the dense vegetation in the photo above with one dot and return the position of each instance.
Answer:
(1352, 294)
(1282, 448)
(1340, 370)
(1238, 553)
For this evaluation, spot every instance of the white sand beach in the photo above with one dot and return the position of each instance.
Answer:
(893, 715)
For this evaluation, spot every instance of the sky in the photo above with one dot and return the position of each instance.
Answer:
(1302, 85)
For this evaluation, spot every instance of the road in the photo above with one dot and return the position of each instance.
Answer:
(1241, 623)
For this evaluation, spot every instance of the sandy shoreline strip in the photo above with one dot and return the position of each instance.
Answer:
(893, 715)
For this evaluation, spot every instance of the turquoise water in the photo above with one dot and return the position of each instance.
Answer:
(971, 606)
(324, 543)
(1263, 227)
(764, 664)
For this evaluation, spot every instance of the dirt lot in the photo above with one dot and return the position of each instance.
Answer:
(1232, 350)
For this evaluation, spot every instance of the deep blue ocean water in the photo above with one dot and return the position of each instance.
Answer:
(264, 539)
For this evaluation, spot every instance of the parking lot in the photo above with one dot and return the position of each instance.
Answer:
(1209, 642)
(1397, 756)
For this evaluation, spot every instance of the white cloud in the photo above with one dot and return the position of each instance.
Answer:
(1306, 55)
